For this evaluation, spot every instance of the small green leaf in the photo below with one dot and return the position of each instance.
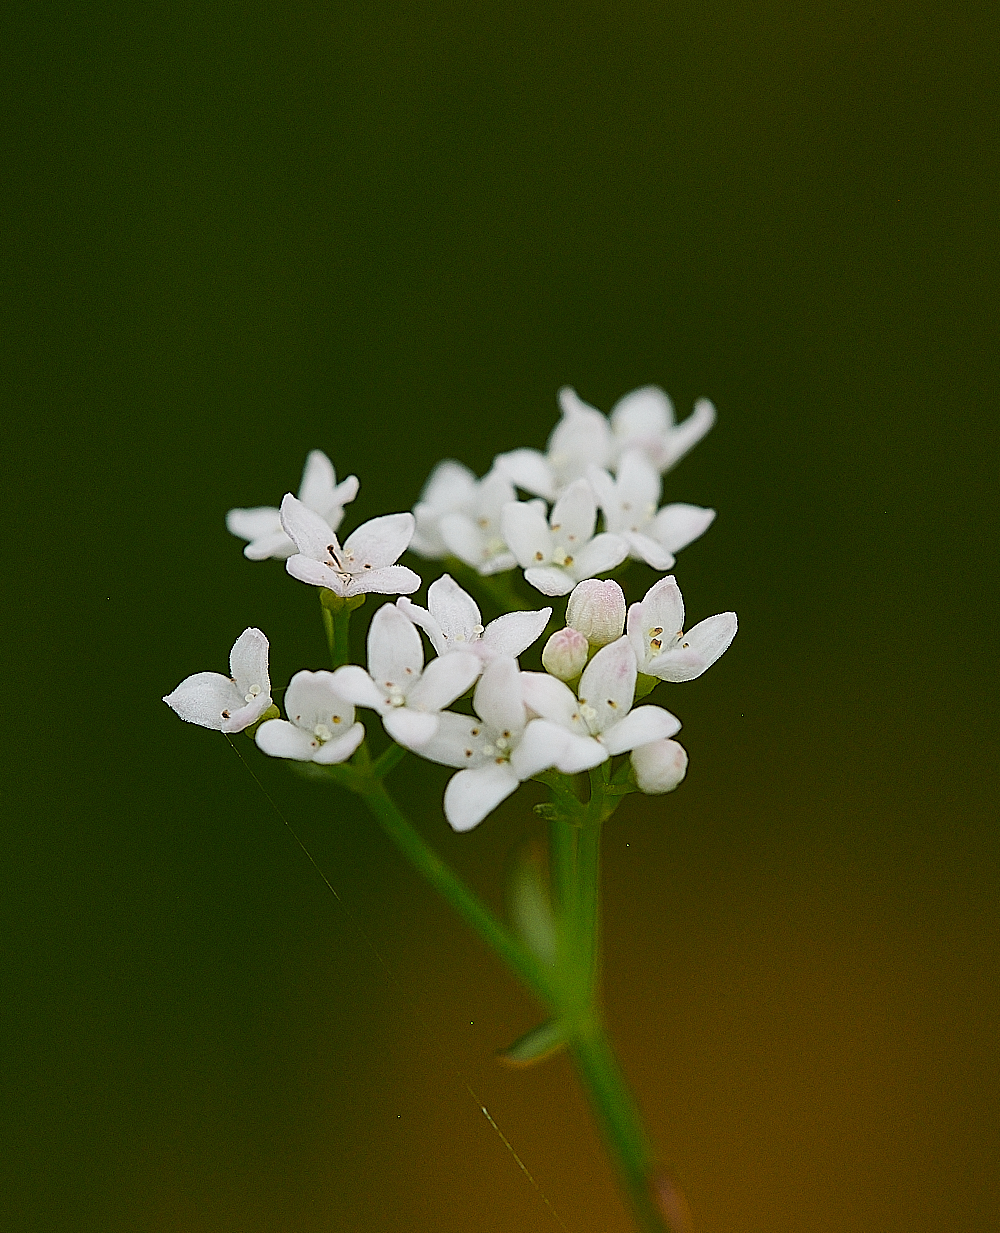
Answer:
(535, 1046)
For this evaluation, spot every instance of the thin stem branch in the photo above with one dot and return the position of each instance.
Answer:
(464, 900)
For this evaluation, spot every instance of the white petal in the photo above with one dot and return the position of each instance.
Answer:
(644, 415)
(276, 546)
(458, 741)
(526, 533)
(687, 435)
(514, 632)
(528, 469)
(604, 552)
(451, 485)
(663, 608)
(462, 538)
(378, 542)
(444, 680)
(312, 698)
(542, 746)
(318, 482)
(638, 486)
(471, 795)
(280, 739)
(608, 684)
(209, 699)
(392, 580)
(498, 564)
(581, 439)
(308, 569)
(354, 684)
(341, 747)
(411, 729)
(248, 662)
(678, 525)
(420, 616)
(495, 491)
(550, 580)
(699, 649)
(573, 516)
(551, 699)
(253, 523)
(395, 653)
(454, 610)
(497, 699)
(580, 754)
(645, 549)
(639, 727)
(310, 533)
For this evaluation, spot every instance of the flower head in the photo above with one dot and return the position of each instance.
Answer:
(365, 563)
(407, 695)
(452, 622)
(630, 501)
(662, 648)
(320, 725)
(558, 552)
(496, 749)
(459, 516)
(450, 488)
(644, 420)
(319, 491)
(599, 721)
(580, 440)
(228, 703)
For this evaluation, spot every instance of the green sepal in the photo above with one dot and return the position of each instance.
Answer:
(535, 1046)
(645, 685)
(272, 712)
(337, 603)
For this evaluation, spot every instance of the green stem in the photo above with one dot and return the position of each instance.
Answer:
(619, 1120)
(498, 588)
(337, 623)
(465, 901)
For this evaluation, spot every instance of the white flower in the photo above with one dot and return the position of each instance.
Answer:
(408, 696)
(459, 516)
(659, 766)
(450, 488)
(644, 420)
(656, 630)
(629, 503)
(597, 610)
(558, 553)
(601, 722)
(580, 440)
(364, 563)
(319, 491)
(320, 725)
(454, 623)
(228, 703)
(497, 750)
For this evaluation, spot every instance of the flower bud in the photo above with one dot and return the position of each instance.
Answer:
(565, 654)
(597, 610)
(659, 766)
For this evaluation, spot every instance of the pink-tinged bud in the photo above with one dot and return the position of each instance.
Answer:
(659, 766)
(597, 610)
(565, 654)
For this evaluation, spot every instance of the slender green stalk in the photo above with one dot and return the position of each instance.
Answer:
(465, 901)
(337, 623)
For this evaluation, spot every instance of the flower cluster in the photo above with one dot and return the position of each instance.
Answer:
(576, 714)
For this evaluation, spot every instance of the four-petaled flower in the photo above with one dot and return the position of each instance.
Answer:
(600, 722)
(496, 751)
(644, 420)
(408, 696)
(630, 501)
(459, 515)
(582, 439)
(557, 553)
(320, 725)
(454, 623)
(655, 627)
(319, 491)
(228, 703)
(365, 562)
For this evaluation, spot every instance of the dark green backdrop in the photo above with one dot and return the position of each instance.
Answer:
(392, 232)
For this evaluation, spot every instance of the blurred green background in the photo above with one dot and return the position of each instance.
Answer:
(392, 231)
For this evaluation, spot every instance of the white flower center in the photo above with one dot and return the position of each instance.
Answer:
(252, 692)
(322, 733)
